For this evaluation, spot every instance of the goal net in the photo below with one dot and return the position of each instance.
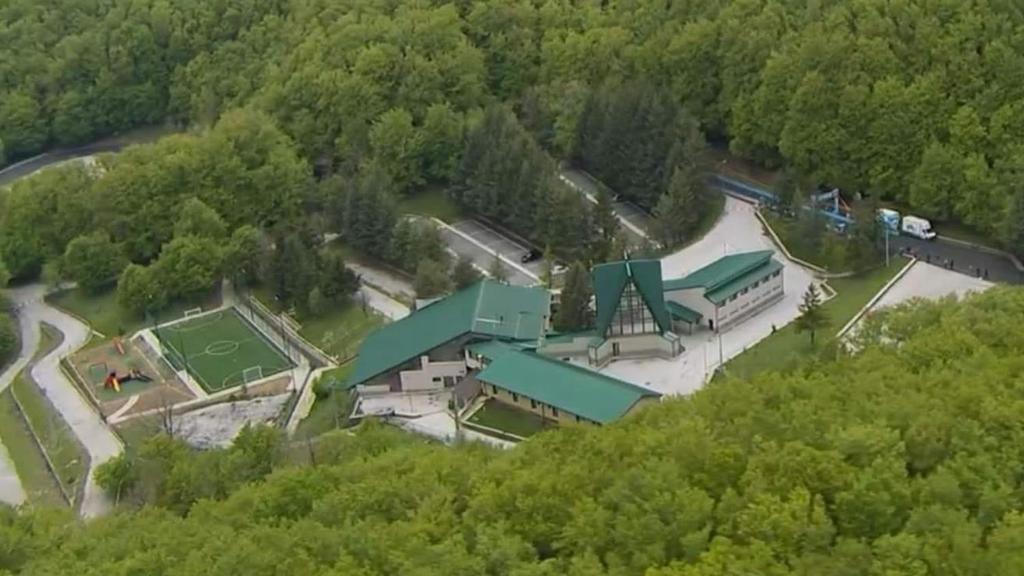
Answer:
(193, 312)
(252, 374)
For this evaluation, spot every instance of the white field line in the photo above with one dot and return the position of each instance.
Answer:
(116, 416)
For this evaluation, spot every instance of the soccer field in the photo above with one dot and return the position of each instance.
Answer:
(221, 350)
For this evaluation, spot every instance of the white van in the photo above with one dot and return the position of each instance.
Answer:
(917, 227)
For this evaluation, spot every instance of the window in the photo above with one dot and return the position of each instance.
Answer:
(533, 403)
(494, 389)
(776, 274)
(744, 291)
(577, 418)
(449, 381)
(436, 379)
(633, 316)
(756, 284)
(515, 397)
(733, 299)
(554, 412)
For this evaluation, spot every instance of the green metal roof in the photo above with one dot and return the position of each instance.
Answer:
(677, 310)
(610, 281)
(487, 308)
(491, 349)
(726, 291)
(720, 272)
(573, 389)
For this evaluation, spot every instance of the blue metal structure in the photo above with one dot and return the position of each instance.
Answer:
(836, 218)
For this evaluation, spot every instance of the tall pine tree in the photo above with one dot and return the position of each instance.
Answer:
(574, 307)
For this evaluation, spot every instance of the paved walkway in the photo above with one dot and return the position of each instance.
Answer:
(738, 230)
(97, 438)
(383, 303)
(11, 490)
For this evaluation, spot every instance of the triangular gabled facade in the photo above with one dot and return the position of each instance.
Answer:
(629, 298)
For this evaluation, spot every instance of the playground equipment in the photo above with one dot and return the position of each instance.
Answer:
(832, 202)
(837, 214)
(113, 381)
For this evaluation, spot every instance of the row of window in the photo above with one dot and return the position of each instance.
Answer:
(755, 285)
(534, 405)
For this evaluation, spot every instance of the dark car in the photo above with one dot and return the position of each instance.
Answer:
(530, 256)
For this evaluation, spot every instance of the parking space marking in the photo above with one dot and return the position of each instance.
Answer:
(485, 247)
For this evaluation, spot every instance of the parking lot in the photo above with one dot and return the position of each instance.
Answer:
(639, 222)
(634, 215)
(474, 239)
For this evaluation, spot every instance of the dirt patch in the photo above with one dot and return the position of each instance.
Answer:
(216, 426)
(93, 365)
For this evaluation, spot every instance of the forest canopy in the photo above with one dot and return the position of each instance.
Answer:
(903, 459)
(916, 101)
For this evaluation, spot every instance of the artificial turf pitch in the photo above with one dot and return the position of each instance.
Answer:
(217, 349)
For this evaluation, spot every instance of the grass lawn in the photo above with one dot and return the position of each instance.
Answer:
(67, 455)
(137, 430)
(340, 331)
(40, 486)
(332, 412)
(829, 256)
(432, 202)
(105, 315)
(786, 347)
(49, 338)
(495, 414)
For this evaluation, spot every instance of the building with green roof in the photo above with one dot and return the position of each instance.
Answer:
(427, 349)
(726, 291)
(560, 391)
(631, 319)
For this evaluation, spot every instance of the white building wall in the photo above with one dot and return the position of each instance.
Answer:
(693, 299)
(431, 375)
(747, 303)
(629, 345)
(576, 347)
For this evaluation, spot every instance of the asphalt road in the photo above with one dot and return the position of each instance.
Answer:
(627, 211)
(26, 167)
(483, 257)
(965, 259)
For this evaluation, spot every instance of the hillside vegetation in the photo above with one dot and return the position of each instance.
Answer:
(902, 460)
(918, 101)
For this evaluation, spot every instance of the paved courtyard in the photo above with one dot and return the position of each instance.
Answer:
(931, 283)
(738, 230)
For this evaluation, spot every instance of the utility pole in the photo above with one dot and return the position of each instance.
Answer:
(721, 355)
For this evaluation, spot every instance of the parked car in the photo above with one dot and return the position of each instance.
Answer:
(530, 256)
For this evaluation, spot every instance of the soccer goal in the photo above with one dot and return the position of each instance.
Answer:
(252, 374)
(193, 312)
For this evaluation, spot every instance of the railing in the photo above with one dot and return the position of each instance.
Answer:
(258, 314)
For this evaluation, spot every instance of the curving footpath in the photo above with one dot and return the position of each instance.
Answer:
(11, 490)
(97, 438)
